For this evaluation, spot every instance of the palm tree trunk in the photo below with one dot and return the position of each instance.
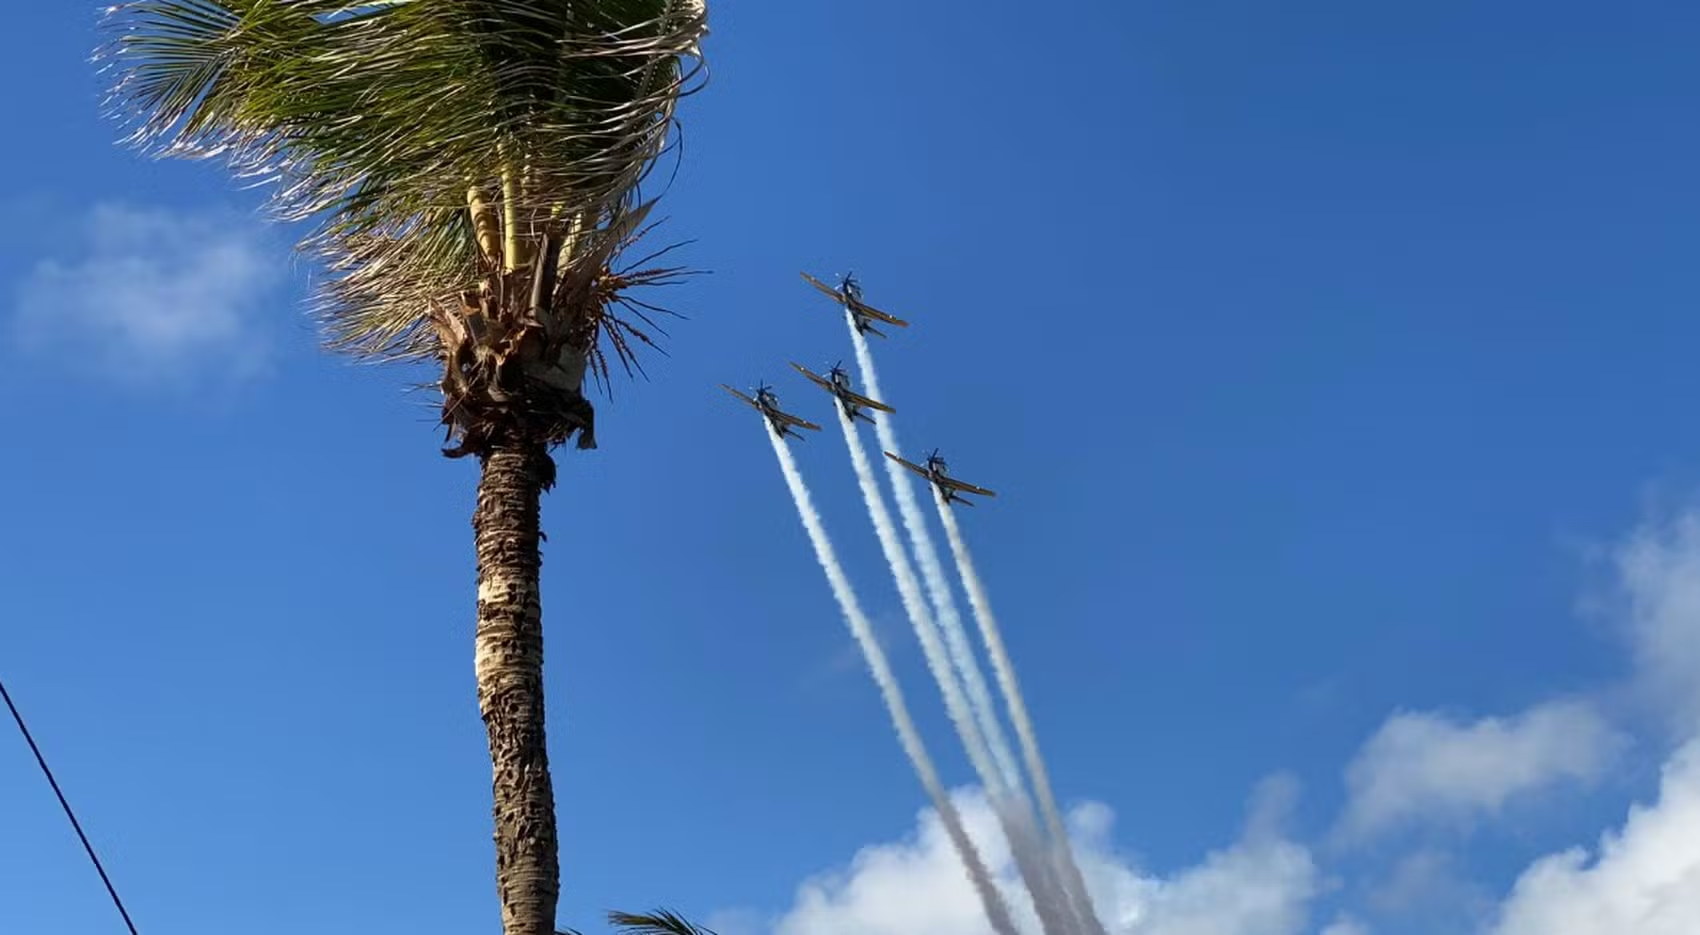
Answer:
(509, 663)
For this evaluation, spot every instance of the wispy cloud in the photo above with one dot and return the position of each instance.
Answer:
(1345, 924)
(150, 295)
(1426, 767)
(1658, 572)
(1431, 888)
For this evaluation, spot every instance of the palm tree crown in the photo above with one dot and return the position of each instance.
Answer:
(454, 156)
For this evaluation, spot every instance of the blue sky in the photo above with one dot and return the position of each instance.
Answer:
(1334, 364)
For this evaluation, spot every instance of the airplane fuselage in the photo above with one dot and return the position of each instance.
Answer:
(842, 391)
(769, 406)
(863, 321)
(936, 474)
(852, 294)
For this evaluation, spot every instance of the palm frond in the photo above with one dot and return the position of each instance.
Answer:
(659, 922)
(620, 314)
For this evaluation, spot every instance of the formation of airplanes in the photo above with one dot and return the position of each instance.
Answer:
(853, 404)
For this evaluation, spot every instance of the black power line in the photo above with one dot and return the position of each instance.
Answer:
(75, 825)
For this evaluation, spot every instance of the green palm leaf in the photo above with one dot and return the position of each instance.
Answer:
(659, 922)
(375, 121)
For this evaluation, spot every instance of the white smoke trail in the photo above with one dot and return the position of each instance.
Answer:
(1008, 804)
(1052, 901)
(926, 631)
(932, 571)
(997, 911)
(1029, 738)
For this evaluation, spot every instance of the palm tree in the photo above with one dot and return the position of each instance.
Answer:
(471, 170)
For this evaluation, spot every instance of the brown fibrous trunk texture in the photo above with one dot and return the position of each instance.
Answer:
(509, 663)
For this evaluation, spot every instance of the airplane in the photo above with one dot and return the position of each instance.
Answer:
(837, 382)
(948, 487)
(767, 403)
(849, 295)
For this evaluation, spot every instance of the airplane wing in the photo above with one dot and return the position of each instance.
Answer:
(875, 313)
(965, 487)
(860, 400)
(790, 419)
(752, 403)
(913, 467)
(819, 380)
(836, 295)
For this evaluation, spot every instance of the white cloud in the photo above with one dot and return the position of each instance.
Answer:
(1644, 880)
(148, 295)
(1262, 885)
(1658, 570)
(1425, 766)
